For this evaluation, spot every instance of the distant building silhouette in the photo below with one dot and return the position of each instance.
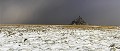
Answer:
(78, 21)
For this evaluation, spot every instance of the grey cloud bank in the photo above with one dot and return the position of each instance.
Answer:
(96, 12)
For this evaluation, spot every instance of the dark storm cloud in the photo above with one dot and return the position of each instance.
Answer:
(26, 11)
(98, 12)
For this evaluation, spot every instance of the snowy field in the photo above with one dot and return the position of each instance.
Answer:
(59, 38)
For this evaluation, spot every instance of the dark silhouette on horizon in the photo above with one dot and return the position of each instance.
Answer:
(78, 21)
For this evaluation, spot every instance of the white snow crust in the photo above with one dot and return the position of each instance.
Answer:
(57, 38)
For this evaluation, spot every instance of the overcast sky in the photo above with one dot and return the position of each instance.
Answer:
(96, 12)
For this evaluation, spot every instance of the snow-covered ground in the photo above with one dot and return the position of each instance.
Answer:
(57, 38)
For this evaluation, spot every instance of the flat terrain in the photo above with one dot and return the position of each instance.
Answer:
(16, 37)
